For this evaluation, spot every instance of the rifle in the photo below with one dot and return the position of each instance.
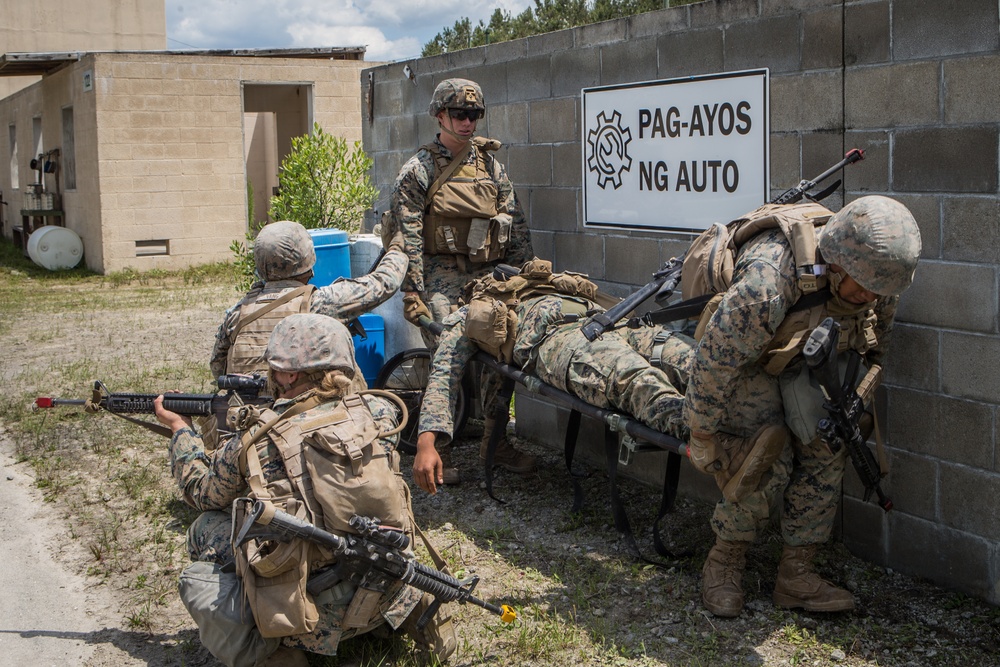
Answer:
(239, 390)
(665, 281)
(372, 559)
(845, 404)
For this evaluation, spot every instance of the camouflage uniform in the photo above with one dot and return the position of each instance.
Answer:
(606, 373)
(211, 481)
(728, 389)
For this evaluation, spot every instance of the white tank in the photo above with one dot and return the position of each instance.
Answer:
(55, 248)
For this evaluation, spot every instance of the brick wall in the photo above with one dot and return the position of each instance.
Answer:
(913, 82)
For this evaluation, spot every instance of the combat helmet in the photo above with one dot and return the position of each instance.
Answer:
(457, 94)
(876, 241)
(283, 250)
(306, 342)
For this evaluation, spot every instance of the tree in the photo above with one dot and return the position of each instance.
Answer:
(324, 183)
(547, 16)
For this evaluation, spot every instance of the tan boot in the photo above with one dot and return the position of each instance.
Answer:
(286, 657)
(799, 586)
(451, 475)
(722, 578)
(749, 459)
(506, 455)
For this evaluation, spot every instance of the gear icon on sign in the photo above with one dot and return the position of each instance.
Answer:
(609, 150)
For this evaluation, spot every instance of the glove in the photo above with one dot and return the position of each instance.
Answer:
(414, 309)
(709, 456)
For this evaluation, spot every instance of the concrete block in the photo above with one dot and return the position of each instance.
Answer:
(972, 89)
(690, 52)
(865, 28)
(806, 103)
(970, 500)
(567, 165)
(912, 484)
(493, 80)
(969, 366)
(786, 170)
(596, 34)
(949, 159)
(630, 260)
(573, 70)
(862, 528)
(871, 175)
(940, 426)
(549, 42)
(926, 210)
(952, 296)
(554, 121)
(659, 22)
(554, 209)
(822, 40)
(530, 165)
(720, 13)
(584, 254)
(971, 229)
(543, 243)
(508, 123)
(533, 79)
(914, 358)
(628, 61)
(767, 42)
(892, 95)
(949, 557)
(820, 150)
(930, 29)
(502, 52)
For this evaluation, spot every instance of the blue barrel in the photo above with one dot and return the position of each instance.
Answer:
(333, 256)
(370, 352)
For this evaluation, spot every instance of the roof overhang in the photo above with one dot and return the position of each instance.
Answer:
(37, 64)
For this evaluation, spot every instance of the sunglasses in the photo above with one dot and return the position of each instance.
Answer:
(465, 114)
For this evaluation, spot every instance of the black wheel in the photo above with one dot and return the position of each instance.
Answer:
(405, 375)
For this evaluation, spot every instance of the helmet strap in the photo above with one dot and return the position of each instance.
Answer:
(450, 132)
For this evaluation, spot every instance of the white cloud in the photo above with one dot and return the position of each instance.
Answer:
(391, 29)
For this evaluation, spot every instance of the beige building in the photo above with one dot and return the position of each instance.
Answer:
(156, 149)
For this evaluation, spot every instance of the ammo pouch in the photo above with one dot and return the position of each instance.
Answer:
(491, 325)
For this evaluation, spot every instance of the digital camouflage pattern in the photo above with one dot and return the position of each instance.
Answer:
(728, 390)
(210, 482)
(310, 342)
(343, 300)
(283, 249)
(456, 94)
(606, 373)
(876, 240)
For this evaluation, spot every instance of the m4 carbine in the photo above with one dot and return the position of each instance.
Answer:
(372, 559)
(845, 404)
(234, 389)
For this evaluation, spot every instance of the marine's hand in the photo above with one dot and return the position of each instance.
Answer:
(428, 470)
(414, 308)
(708, 455)
(171, 420)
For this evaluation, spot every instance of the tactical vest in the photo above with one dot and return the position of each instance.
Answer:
(265, 307)
(460, 215)
(708, 268)
(336, 468)
(491, 321)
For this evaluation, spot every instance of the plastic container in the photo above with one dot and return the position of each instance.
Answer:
(333, 256)
(55, 248)
(365, 249)
(369, 352)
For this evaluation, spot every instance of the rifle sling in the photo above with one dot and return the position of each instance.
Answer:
(447, 172)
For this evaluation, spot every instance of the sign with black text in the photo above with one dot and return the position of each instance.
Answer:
(675, 155)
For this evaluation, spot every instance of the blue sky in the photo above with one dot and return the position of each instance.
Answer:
(390, 29)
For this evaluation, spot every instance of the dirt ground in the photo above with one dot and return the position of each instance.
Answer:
(92, 531)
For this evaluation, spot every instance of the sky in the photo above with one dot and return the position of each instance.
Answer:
(390, 29)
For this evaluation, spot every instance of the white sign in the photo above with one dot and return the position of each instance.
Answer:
(677, 154)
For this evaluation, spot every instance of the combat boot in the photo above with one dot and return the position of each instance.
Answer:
(286, 657)
(799, 586)
(506, 456)
(722, 578)
(750, 458)
(450, 473)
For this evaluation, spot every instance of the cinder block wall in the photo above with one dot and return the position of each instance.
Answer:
(913, 82)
